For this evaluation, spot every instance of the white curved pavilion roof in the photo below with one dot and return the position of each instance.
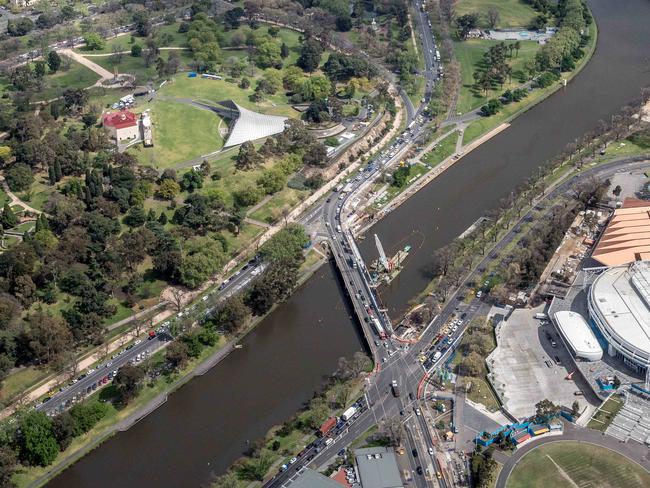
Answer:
(250, 126)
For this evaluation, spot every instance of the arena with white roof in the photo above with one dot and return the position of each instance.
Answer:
(619, 304)
(577, 334)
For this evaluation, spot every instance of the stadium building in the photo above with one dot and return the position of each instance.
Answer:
(619, 304)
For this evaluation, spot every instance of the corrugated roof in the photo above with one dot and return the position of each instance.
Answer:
(120, 120)
(627, 236)
(311, 479)
(251, 126)
(378, 468)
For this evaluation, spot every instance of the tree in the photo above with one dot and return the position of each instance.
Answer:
(7, 466)
(232, 315)
(48, 338)
(136, 50)
(168, 189)
(135, 217)
(393, 429)
(176, 355)
(8, 218)
(465, 23)
(575, 408)
(20, 26)
(19, 177)
(192, 180)
(316, 155)
(232, 16)
(36, 441)
(284, 51)
(310, 55)
(94, 41)
(128, 382)
(493, 17)
(272, 181)
(53, 61)
(343, 23)
(86, 416)
(247, 158)
(546, 408)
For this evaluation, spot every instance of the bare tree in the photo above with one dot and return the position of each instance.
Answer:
(177, 298)
(493, 17)
(394, 430)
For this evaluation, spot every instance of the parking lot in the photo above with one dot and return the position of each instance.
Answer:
(529, 364)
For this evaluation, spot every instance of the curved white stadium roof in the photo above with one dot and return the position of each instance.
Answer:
(250, 126)
(577, 333)
(621, 299)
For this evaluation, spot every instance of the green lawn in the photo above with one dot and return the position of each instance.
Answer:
(247, 233)
(512, 13)
(285, 199)
(180, 132)
(442, 151)
(4, 198)
(136, 66)
(20, 380)
(124, 42)
(219, 90)
(78, 76)
(586, 465)
(606, 413)
(469, 54)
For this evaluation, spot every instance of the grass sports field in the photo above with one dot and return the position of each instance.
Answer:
(512, 13)
(572, 464)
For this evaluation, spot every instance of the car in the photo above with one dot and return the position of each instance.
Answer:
(418, 412)
(293, 460)
(431, 450)
(283, 468)
(138, 342)
(414, 452)
(419, 470)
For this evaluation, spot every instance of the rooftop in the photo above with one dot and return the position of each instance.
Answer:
(627, 236)
(378, 468)
(578, 334)
(312, 479)
(120, 120)
(250, 126)
(622, 296)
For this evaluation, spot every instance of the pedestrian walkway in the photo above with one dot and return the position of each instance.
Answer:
(101, 71)
(14, 200)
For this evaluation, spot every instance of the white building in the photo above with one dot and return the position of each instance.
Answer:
(578, 336)
(619, 304)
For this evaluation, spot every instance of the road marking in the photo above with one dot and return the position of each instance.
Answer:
(563, 473)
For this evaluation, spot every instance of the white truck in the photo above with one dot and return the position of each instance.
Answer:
(348, 414)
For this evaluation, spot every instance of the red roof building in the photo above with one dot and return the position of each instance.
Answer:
(121, 125)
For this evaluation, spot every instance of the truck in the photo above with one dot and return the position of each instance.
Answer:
(327, 426)
(349, 413)
(379, 329)
(395, 388)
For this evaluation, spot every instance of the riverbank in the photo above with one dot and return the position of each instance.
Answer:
(151, 397)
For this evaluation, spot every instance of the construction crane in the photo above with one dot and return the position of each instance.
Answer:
(382, 255)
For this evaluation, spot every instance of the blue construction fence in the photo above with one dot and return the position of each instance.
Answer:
(520, 432)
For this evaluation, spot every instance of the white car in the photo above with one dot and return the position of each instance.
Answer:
(418, 412)
(431, 450)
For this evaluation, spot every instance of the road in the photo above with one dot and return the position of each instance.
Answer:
(402, 361)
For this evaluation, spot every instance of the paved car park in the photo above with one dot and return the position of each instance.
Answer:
(528, 364)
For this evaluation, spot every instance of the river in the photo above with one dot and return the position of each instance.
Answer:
(205, 425)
